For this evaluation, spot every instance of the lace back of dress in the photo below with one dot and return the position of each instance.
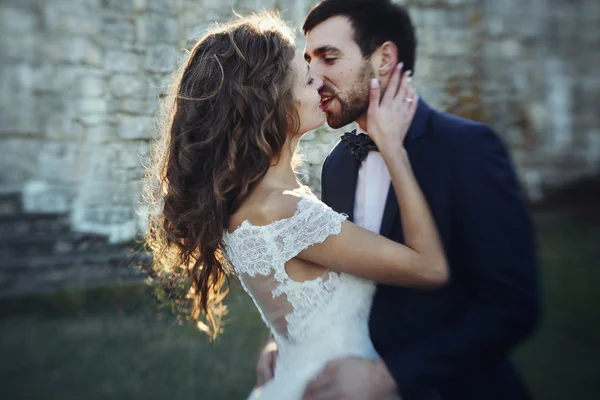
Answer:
(259, 255)
(285, 305)
(273, 309)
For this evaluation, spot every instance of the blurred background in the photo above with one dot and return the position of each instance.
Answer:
(81, 82)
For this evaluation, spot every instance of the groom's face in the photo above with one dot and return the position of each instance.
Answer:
(334, 55)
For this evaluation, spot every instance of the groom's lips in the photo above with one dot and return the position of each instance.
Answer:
(325, 102)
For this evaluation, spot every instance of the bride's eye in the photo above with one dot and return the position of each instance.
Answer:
(311, 81)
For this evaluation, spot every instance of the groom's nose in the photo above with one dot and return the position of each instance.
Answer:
(315, 67)
(317, 76)
(319, 81)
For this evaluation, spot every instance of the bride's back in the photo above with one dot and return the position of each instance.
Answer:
(315, 314)
(264, 236)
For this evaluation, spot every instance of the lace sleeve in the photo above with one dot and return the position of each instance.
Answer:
(312, 223)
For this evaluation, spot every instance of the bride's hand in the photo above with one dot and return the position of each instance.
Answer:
(390, 117)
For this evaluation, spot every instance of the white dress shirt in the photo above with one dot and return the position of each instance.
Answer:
(371, 190)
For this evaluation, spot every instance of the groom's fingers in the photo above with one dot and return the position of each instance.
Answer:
(318, 386)
(327, 393)
(263, 374)
(266, 363)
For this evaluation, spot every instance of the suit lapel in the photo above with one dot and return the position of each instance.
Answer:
(412, 143)
(343, 188)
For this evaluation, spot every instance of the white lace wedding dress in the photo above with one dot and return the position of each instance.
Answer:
(312, 321)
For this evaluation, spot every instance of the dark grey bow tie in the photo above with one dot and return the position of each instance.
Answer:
(358, 145)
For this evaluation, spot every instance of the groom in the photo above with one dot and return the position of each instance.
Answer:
(447, 344)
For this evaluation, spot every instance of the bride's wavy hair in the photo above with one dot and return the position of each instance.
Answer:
(227, 117)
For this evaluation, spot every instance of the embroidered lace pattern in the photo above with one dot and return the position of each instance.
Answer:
(313, 321)
(259, 254)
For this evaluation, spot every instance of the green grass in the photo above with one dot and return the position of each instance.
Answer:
(562, 359)
(118, 343)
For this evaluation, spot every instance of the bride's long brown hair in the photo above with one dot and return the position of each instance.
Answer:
(228, 116)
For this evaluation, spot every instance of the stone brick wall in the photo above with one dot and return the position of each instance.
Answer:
(541, 86)
(80, 83)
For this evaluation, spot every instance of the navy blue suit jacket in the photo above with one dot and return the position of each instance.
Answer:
(453, 343)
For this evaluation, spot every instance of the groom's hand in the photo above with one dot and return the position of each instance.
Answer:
(351, 378)
(265, 366)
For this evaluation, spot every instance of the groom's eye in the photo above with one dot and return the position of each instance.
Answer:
(329, 60)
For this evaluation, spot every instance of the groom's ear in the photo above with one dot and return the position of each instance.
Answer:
(387, 59)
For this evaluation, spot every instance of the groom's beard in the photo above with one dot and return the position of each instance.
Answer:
(353, 105)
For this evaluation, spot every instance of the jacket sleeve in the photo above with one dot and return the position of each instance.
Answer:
(493, 236)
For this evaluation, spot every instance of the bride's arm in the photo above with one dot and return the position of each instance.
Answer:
(357, 251)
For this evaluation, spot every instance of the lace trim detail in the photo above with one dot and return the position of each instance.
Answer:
(264, 249)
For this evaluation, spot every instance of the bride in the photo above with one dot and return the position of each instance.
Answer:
(230, 201)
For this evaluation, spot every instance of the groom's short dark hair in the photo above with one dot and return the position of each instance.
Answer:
(374, 22)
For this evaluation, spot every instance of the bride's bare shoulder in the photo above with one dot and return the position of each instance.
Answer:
(268, 205)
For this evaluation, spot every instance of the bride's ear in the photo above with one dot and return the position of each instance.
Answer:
(387, 59)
